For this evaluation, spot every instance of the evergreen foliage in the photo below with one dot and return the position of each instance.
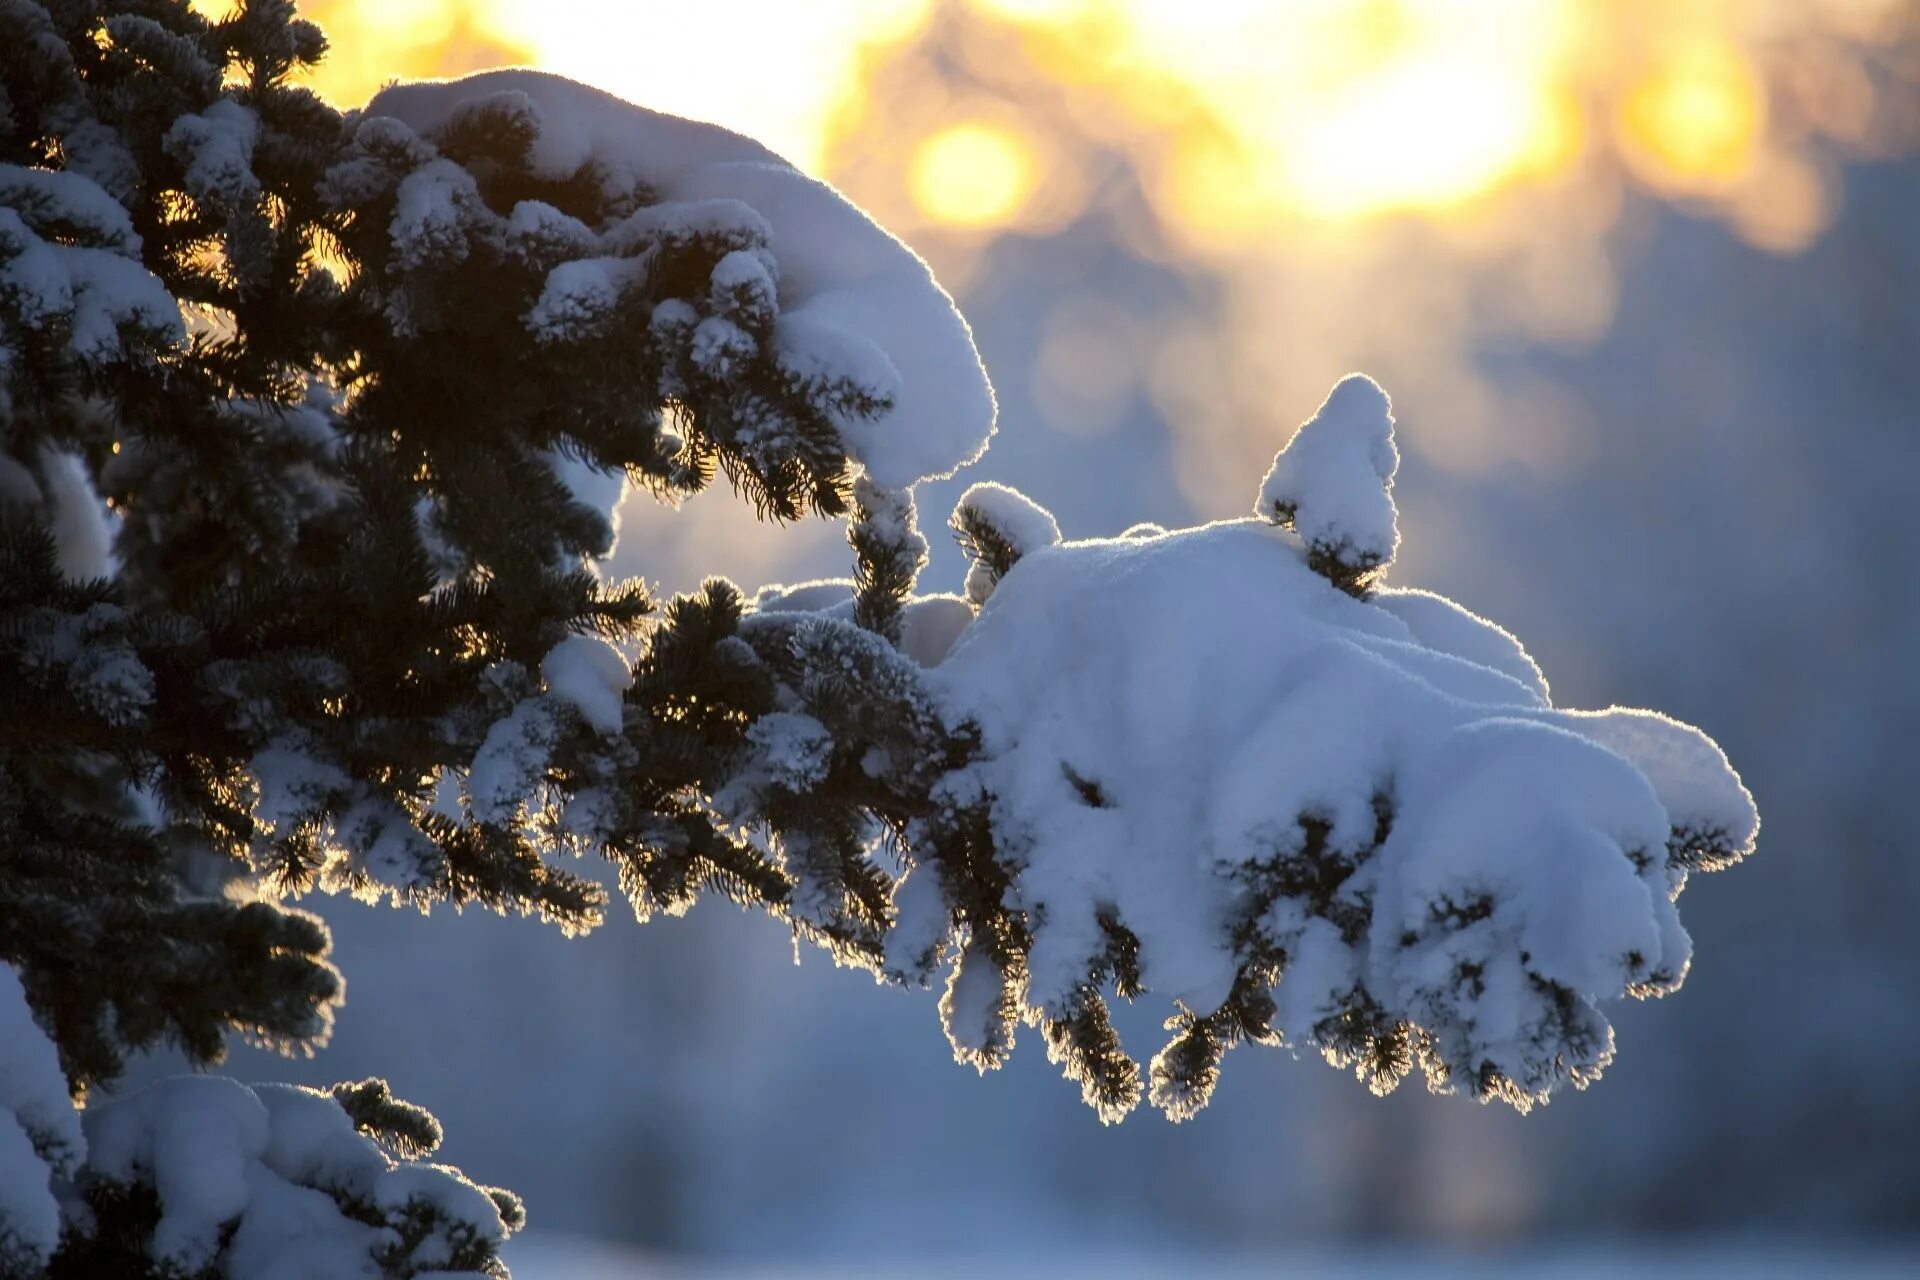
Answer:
(308, 424)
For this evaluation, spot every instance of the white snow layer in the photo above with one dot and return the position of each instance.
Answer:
(1012, 517)
(1333, 482)
(589, 675)
(928, 624)
(270, 1164)
(40, 1135)
(857, 303)
(1168, 719)
(69, 255)
(1133, 693)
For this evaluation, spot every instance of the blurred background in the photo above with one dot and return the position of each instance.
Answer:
(1643, 277)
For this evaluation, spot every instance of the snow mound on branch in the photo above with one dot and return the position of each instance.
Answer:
(69, 265)
(40, 1136)
(1333, 482)
(1167, 717)
(997, 526)
(588, 674)
(929, 625)
(856, 302)
(263, 1175)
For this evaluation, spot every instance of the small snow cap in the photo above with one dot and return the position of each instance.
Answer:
(1333, 484)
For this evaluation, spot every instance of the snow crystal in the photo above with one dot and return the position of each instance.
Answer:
(589, 675)
(857, 303)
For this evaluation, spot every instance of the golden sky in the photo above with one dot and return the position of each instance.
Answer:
(1332, 110)
(1377, 184)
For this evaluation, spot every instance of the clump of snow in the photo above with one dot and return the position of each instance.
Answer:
(1333, 483)
(293, 783)
(996, 526)
(47, 198)
(511, 761)
(275, 1181)
(579, 298)
(929, 625)
(82, 525)
(1180, 729)
(40, 1135)
(589, 675)
(215, 148)
(857, 307)
(69, 256)
(1440, 623)
(432, 213)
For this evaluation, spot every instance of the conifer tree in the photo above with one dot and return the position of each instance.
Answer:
(313, 426)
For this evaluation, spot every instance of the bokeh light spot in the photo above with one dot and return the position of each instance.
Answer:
(972, 174)
(1695, 119)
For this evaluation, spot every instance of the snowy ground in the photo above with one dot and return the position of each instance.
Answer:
(537, 1257)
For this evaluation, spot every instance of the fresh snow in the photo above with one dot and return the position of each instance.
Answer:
(1164, 715)
(856, 302)
(40, 1134)
(263, 1171)
(1208, 681)
(989, 510)
(216, 148)
(589, 675)
(929, 625)
(1333, 482)
(1165, 718)
(69, 254)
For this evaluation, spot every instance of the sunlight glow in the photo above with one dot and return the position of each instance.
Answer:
(1244, 116)
(972, 175)
(1695, 119)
